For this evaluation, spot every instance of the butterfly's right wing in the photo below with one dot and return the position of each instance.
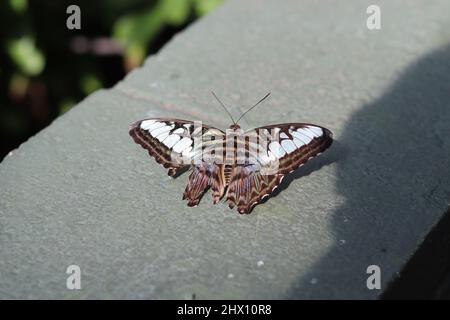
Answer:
(292, 145)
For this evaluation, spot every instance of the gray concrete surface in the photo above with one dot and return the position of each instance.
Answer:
(81, 192)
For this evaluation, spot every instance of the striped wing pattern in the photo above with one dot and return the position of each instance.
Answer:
(297, 144)
(244, 185)
(168, 140)
(202, 177)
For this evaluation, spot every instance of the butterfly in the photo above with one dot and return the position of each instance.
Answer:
(243, 167)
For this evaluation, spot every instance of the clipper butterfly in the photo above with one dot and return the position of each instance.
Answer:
(242, 167)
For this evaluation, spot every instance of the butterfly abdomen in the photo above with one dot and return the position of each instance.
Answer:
(227, 173)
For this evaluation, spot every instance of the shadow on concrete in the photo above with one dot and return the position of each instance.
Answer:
(396, 184)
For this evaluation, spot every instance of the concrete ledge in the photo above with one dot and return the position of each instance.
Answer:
(81, 192)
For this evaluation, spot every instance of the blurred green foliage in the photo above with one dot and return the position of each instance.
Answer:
(135, 30)
(45, 68)
(27, 57)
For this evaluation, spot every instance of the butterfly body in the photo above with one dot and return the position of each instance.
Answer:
(242, 167)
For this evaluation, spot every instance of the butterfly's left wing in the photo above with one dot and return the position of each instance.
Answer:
(292, 145)
(171, 141)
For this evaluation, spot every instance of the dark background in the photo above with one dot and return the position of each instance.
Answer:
(45, 68)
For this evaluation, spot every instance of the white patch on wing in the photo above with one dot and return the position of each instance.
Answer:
(288, 145)
(178, 131)
(146, 124)
(304, 138)
(315, 130)
(298, 143)
(162, 136)
(171, 140)
(284, 135)
(187, 152)
(306, 132)
(155, 125)
(155, 133)
(277, 150)
(182, 144)
(271, 156)
(265, 157)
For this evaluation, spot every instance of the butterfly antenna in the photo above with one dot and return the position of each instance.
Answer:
(268, 94)
(223, 106)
